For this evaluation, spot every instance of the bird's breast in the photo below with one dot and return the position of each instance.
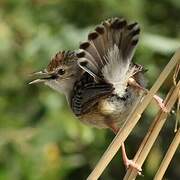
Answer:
(112, 109)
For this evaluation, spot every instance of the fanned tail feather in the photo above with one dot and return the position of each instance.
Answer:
(108, 52)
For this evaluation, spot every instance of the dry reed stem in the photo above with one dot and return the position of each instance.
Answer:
(176, 72)
(132, 120)
(177, 113)
(168, 157)
(175, 79)
(153, 132)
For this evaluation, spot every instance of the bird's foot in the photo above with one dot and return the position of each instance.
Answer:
(161, 104)
(131, 164)
(158, 99)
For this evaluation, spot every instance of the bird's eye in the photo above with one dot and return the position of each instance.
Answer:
(61, 71)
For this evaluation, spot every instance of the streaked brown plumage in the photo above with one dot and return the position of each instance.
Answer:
(113, 106)
(96, 78)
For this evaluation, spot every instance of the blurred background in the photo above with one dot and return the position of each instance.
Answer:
(39, 136)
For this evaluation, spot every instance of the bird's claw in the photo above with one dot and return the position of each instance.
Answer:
(131, 164)
(161, 103)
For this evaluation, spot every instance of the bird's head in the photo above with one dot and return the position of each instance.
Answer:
(61, 73)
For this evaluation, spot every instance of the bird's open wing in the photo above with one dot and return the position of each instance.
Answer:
(109, 50)
(87, 93)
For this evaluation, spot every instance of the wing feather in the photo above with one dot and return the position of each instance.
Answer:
(109, 50)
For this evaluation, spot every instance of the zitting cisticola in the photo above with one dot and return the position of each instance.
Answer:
(100, 81)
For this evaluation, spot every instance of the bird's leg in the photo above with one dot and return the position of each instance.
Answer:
(127, 162)
(160, 102)
(158, 99)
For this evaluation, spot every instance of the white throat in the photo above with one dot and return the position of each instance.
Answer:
(64, 87)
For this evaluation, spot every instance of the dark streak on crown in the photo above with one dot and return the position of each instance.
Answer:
(60, 58)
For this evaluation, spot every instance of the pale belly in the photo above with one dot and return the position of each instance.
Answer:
(112, 110)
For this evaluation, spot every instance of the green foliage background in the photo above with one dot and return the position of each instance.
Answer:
(39, 137)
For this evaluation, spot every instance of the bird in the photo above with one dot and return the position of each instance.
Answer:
(100, 81)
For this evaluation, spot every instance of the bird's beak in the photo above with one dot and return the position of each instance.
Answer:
(42, 76)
